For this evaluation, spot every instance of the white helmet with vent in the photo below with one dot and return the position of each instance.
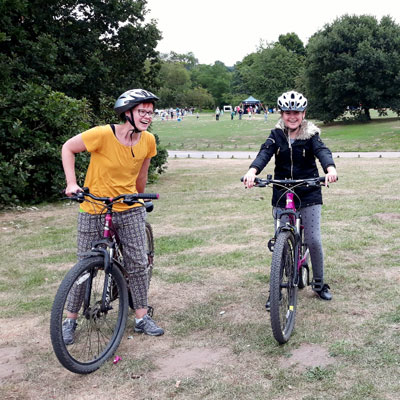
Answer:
(292, 101)
(132, 98)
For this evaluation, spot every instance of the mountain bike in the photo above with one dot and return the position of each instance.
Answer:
(102, 281)
(290, 267)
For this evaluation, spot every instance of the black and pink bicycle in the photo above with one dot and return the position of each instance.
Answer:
(102, 280)
(291, 266)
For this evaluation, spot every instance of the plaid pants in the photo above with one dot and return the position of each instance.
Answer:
(130, 226)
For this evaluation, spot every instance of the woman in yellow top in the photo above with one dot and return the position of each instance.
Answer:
(119, 161)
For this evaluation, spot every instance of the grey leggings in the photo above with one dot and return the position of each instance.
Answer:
(130, 226)
(311, 217)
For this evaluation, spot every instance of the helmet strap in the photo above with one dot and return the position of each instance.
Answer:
(131, 120)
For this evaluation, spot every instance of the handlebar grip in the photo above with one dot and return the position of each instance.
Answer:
(150, 196)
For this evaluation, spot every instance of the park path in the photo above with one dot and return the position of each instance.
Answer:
(252, 154)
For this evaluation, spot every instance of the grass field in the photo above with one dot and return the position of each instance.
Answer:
(209, 290)
(205, 133)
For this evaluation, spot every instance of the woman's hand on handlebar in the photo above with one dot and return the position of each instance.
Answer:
(331, 176)
(249, 178)
(72, 189)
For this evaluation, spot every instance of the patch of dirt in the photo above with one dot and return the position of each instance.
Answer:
(31, 214)
(390, 274)
(185, 363)
(307, 356)
(388, 216)
(218, 248)
(11, 363)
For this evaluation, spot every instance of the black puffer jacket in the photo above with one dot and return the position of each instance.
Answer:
(295, 161)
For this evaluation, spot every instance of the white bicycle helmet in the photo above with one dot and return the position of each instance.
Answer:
(292, 101)
(132, 98)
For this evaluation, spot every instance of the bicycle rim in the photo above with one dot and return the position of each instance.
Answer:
(98, 332)
(283, 293)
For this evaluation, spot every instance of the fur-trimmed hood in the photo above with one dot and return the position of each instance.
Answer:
(307, 129)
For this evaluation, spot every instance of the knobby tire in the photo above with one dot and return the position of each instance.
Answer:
(98, 333)
(283, 292)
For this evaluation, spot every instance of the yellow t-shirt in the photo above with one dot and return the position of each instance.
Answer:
(112, 169)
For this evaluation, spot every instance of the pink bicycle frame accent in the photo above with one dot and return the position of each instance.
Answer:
(108, 221)
(290, 202)
(290, 205)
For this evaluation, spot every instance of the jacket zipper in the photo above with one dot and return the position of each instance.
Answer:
(291, 155)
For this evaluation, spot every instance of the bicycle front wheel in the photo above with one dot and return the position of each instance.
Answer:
(149, 250)
(101, 318)
(283, 292)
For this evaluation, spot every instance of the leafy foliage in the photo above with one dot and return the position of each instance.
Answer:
(83, 49)
(34, 123)
(269, 72)
(62, 64)
(354, 63)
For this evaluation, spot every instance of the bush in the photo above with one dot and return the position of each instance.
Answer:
(34, 123)
(157, 164)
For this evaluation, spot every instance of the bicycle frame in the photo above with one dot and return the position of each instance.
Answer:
(294, 225)
(107, 246)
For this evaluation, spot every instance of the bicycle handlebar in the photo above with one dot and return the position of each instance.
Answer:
(288, 182)
(128, 199)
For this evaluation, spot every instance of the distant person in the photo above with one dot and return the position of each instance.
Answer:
(240, 113)
(265, 115)
(295, 143)
(232, 114)
(217, 113)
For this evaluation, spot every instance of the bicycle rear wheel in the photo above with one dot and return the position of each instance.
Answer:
(98, 331)
(283, 293)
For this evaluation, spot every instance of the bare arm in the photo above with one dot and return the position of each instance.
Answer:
(142, 177)
(69, 149)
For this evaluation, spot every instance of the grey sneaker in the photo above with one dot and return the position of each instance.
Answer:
(68, 330)
(149, 327)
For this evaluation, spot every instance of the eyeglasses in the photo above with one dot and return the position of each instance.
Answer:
(142, 113)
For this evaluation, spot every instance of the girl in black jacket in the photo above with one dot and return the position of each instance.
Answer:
(295, 143)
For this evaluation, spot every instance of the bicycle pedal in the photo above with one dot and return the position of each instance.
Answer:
(317, 284)
(271, 244)
(150, 311)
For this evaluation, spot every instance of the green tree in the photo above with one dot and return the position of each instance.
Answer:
(188, 60)
(353, 62)
(270, 72)
(175, 80)
(34, 123)
(293, 43)
(199, 98)
(216, 78)
(90, 50)
(82, 48)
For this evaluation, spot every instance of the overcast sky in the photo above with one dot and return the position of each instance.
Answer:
(229, 30)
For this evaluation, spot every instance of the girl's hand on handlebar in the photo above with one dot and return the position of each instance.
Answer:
(331, 176)
(72, 189)
(249, 178)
